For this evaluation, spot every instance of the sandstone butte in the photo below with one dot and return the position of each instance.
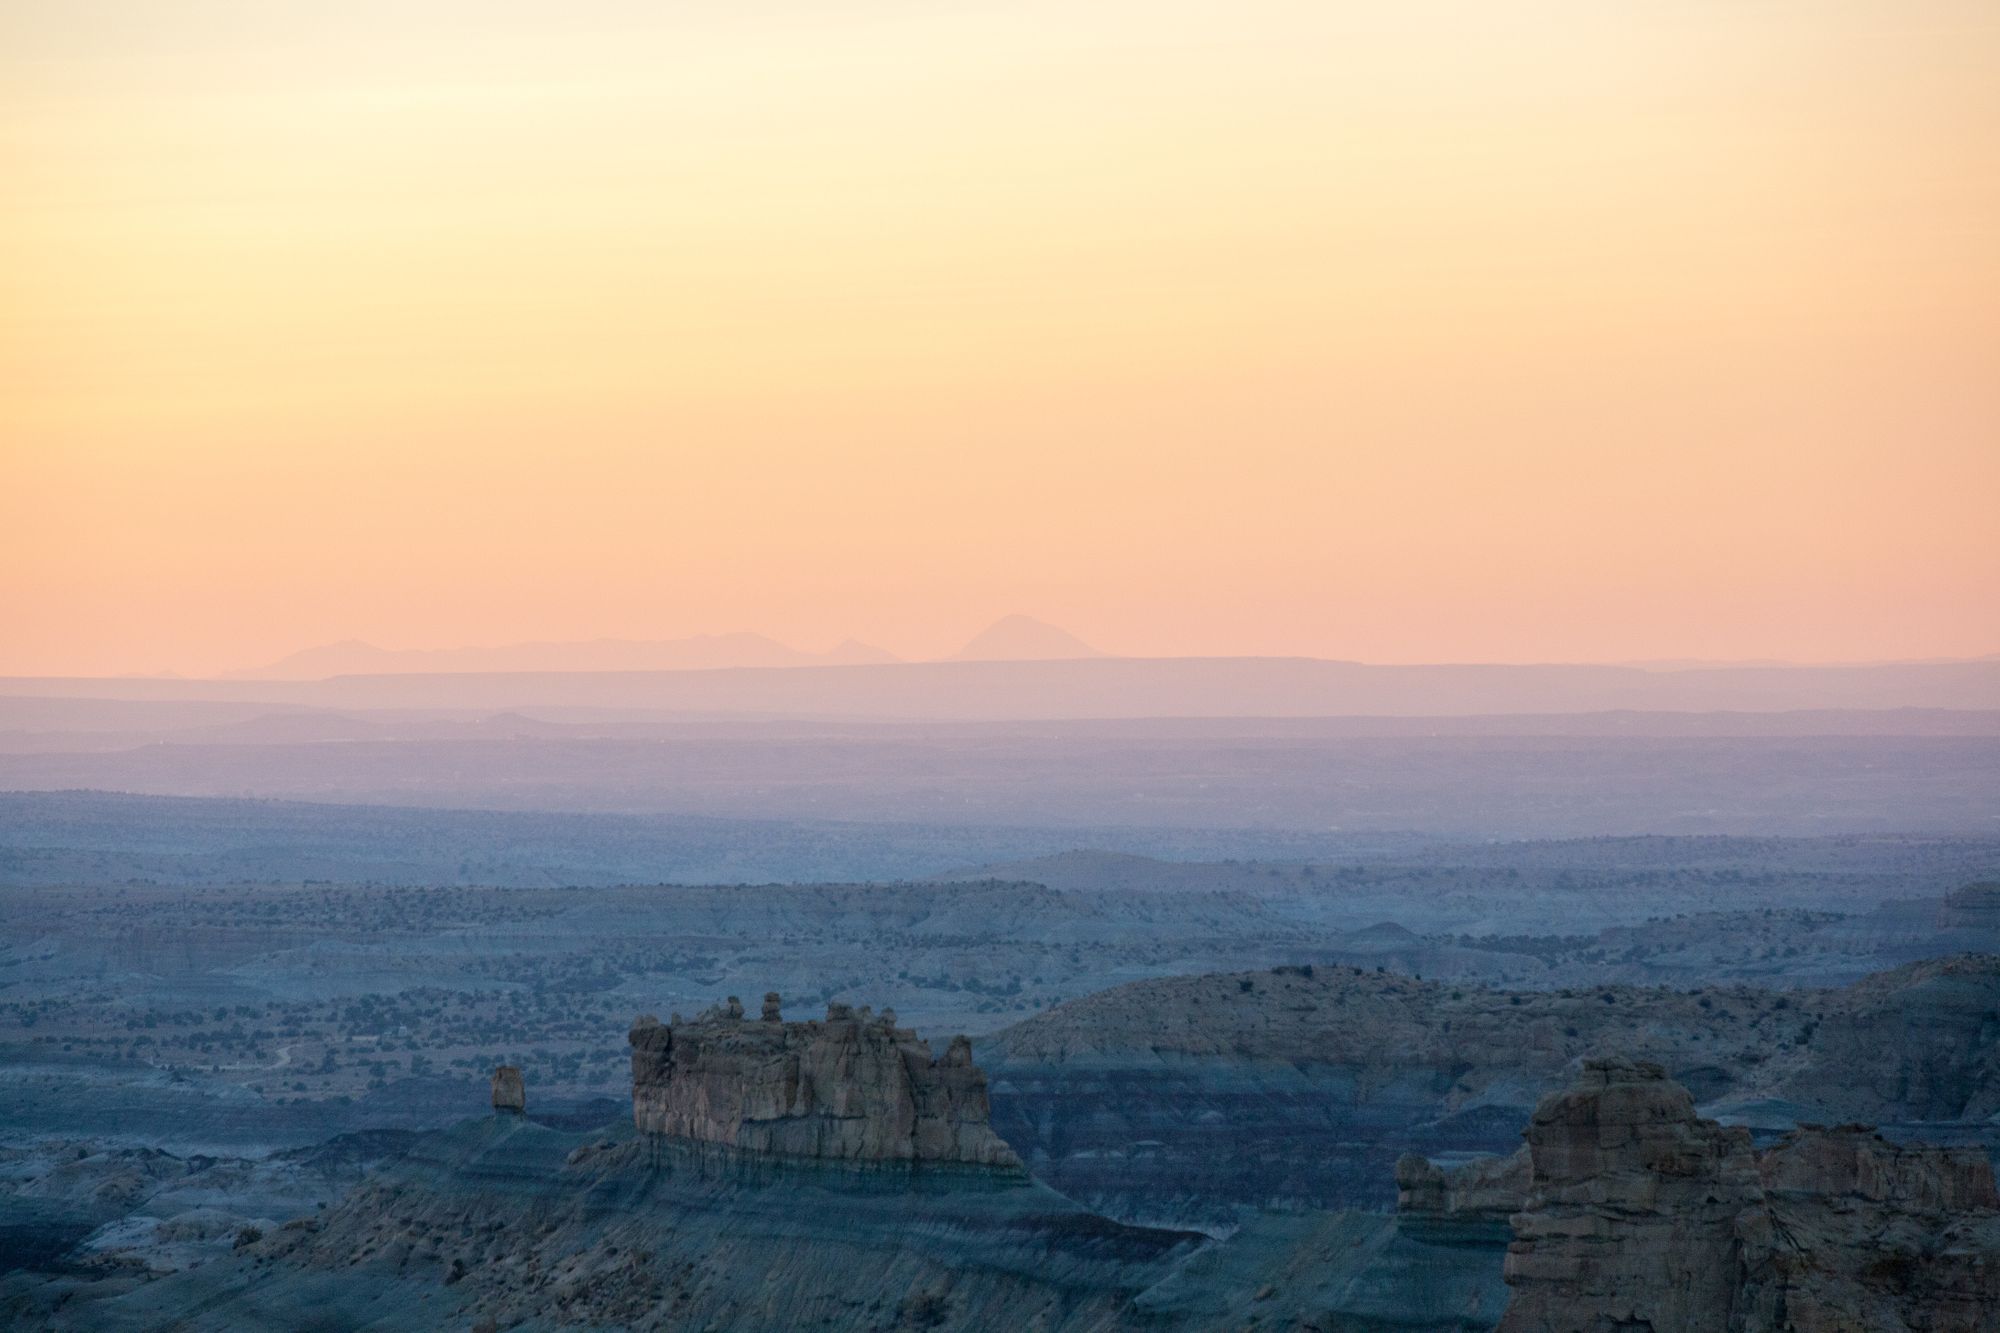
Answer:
(853, 1087)
(1641, 1215)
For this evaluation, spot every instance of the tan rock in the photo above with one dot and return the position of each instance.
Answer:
(1484, 1188)
(1642, 1215)
(845, 1088)
(510, 1090)
(1631, 1211)
(1854, 1161)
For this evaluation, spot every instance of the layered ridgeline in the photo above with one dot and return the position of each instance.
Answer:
(835, 1174)
(1180, 1099)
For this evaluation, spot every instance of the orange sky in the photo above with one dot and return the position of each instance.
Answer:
(1427, 330)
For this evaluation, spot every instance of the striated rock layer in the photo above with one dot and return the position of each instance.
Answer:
(1300, 1086)
(1641, 1215)
(500, 1222)
(854, 1087)
(1483, 1189)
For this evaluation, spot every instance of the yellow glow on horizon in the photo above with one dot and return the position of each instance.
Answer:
(1428, 331)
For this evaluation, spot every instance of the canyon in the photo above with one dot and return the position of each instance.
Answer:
(833, 1172)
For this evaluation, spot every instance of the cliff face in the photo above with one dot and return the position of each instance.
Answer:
(854, 1087)
(1919, 1043)
(1642, 1215)
(1630, 1220)
(1858, 1232)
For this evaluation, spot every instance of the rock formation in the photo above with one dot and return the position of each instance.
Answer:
(1857, 1232)
(1919, 1043)
(1974, 907)
(501, 1222)
(1631, 1218)
(853, 1087)
(510, 1091)
(1485, 1188)
(1642, 1215)
(1300, 1087)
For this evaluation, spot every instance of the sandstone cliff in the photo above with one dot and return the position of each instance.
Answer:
(1856, 1232)
(1631, 1219)
(854, 1087)
(1641, 1215)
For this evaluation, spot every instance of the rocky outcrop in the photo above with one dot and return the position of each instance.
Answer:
(510, 1091)
(853, 1087)
(1485, 1188)
(1641, 1215)
(1854, 1162)
(1974, 907)
(1918, 1043)
(1630, 1222)
(1857, 1232)
(1442, 1270)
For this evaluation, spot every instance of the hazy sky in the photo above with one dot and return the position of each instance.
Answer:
(1407, 330)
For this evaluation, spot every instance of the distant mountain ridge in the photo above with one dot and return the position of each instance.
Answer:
(1020, 638)
(701, 652)
(1099, 687)
(1014, 638)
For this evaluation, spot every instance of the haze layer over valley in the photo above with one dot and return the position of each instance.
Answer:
(1221, 970)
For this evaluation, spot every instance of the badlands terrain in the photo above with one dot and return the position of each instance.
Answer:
(337, 1015)
(836, 1172)
(1284, 1092)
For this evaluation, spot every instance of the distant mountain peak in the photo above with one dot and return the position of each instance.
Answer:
(347, 657)
(1019, 638)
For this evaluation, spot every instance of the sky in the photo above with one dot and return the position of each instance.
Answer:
(1436, 330)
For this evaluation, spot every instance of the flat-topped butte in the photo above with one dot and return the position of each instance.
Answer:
(853, 1087)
